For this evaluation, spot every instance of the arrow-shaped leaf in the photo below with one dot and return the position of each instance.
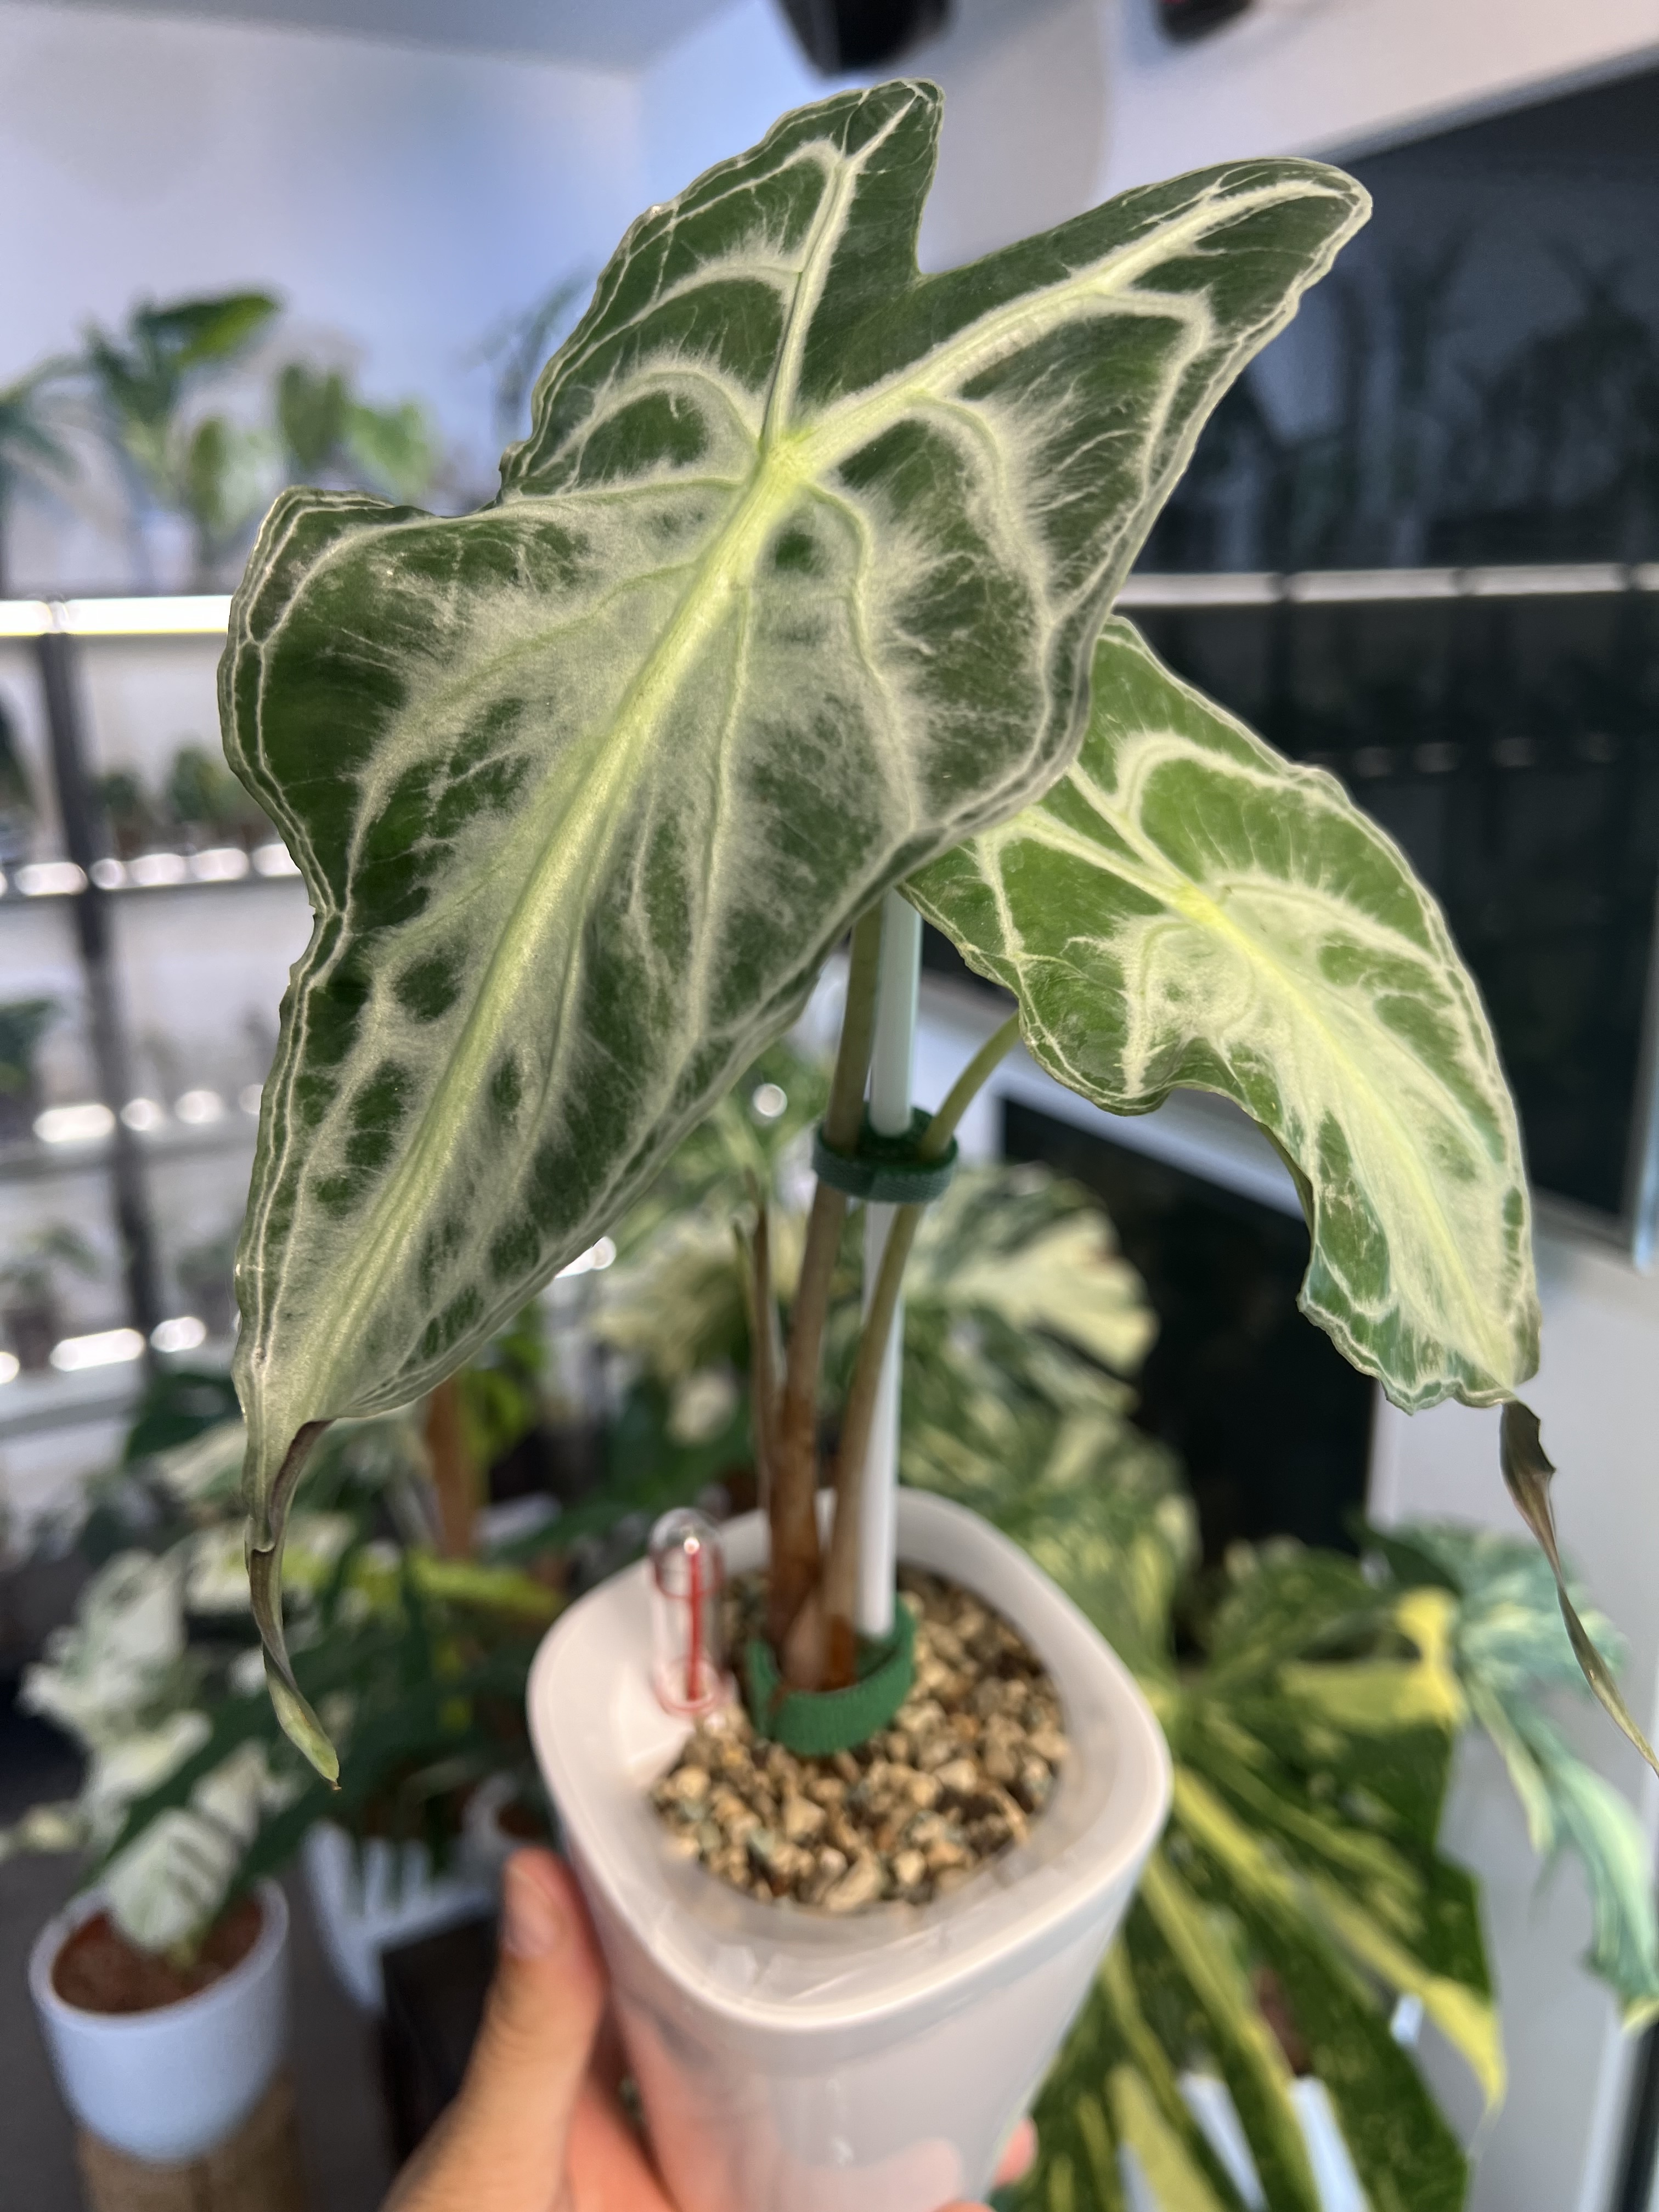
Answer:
(1184, 907)
(795, 584)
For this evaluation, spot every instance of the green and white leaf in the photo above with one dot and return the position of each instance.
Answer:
(1185, 908)
(1312, 1749)
(1244, 2046)
(1573, 1810)
(1037, 1255)
(1510, 1646)
(171, 1881)
(102, 1673)
(795, 584)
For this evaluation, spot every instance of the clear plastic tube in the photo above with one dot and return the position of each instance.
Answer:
(688, 1579)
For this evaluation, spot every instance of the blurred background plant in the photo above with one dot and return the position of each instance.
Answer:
(23, 1023)
(331, 436)
(197, 804)
(189, 1793)
(208, 469)
(1297, 1922)
(201, 433)
(19, 813)
(35, 444)
(514, 349)
(31, 1288)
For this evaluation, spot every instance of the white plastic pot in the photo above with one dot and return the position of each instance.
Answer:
(388, 1896)
(793, 2062)
(167, 2085)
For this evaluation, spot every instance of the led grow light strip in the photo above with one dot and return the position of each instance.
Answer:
(205, 614)
(208, 614)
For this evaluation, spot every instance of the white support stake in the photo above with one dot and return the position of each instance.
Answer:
(891, 1062)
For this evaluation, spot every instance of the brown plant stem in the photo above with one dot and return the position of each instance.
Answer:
(766, 1350)
(454, 1478)
(792, 1514)
(841, 1571)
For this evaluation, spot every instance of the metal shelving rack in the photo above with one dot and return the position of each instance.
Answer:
(105, 1137)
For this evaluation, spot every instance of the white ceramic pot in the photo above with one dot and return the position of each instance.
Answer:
(389, 1896)
(167, 2085)
(791, 2062)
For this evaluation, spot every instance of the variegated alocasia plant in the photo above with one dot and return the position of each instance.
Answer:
(794, 594)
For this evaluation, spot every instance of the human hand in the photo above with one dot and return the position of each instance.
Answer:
(535, 2128)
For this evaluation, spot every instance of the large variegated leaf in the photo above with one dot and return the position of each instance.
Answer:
(795, 583)
(1510, 1646)
(1184, 907)
(1298, 1883)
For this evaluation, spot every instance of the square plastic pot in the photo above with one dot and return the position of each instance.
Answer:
(792, 2061)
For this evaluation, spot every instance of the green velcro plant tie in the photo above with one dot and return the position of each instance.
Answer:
(812, 1723)
(887, 1170)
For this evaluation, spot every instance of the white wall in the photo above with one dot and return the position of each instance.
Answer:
(403, 200)
(1051, 105)
(1309, 76)
(1024, 83)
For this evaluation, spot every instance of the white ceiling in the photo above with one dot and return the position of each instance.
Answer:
(615, 34)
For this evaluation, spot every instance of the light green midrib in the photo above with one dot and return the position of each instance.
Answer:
(614, 752)
(785, 460)
(1162, 881)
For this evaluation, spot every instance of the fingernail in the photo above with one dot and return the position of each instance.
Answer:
(533, 1916)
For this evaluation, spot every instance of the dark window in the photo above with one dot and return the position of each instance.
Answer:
(1271, 1423)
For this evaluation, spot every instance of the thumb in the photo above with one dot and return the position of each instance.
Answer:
(505, 2139)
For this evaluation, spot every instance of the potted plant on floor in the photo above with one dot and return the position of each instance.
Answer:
(30, 1305)
(23, 1023)
(799, 591)
(192, 484)
(191, 1794)
(162, 2001)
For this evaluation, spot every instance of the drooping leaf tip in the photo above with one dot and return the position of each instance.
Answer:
(300, 1724)
(1527, 1473)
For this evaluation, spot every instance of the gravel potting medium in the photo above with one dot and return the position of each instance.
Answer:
(968, 1763)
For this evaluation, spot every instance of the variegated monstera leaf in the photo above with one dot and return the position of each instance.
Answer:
(1184, 907)
(1295, 1898)
(794, 585)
